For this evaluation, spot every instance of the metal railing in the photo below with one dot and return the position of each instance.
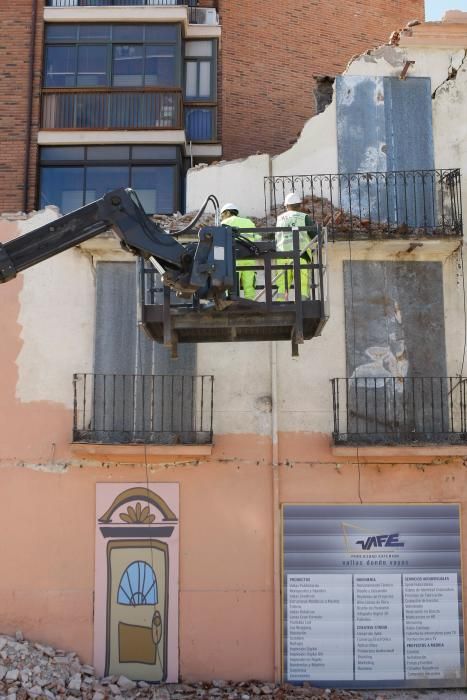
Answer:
(105, 108)
(278, 274)
(286, 293)
(399, 410)
(196, 15)
(375, 204)
(135, 408)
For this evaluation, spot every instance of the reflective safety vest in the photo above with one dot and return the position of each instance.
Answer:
(241, 222)
(284, 239)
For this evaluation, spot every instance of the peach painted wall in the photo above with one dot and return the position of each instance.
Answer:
(226, 627)
(226, 567)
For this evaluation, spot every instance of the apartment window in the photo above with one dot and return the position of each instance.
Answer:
(73, 176)
(120, 55)
(200, 70)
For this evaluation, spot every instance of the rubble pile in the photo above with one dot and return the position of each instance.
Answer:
(323, 212)
(32, 670)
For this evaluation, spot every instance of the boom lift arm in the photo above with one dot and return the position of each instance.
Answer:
(205, 268)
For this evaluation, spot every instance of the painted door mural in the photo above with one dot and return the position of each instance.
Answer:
(136, 605)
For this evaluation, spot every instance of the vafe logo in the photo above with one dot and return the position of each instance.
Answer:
(379, 541)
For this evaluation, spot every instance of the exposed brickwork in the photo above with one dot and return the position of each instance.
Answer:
(15, 46)
(270, 52)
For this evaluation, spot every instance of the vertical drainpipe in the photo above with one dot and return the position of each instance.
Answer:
(276, 517)
(27, 148)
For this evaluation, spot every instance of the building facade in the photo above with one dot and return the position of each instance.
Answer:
(155, 511)
(140, 91)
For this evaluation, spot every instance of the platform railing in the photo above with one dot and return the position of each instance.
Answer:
(374, 204)
(278, 273)
(399, 410)
(136, 408)
(290, 292)
(111, 108)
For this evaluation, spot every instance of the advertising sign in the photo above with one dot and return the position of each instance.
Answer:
(372, 596)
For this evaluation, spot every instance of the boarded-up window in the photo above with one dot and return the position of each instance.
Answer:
(394, 318)
(140, 392)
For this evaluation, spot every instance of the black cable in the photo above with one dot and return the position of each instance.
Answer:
(465, 310)
(209, 199)
(156, 590)
(354, 355)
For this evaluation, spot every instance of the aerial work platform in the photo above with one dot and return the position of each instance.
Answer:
(297, 314)
(191, 292)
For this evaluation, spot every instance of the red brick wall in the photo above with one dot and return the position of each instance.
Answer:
(271, 50)
(269, 53)
(15, 45)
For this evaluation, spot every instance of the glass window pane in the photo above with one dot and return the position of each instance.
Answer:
(154, 152)
(127, 66)
(94, 31)
(60, 66)
(127, 32)
(61, 32)
(191, 73)
(198, 48)
(102, 179)
(108, 153)
(160, 65)
(62, 153)
(62, 187)
(92, 66)
(204, 78)
(162, 32)
(155, 187)
(199, 124)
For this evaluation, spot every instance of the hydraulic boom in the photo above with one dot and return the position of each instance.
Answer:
(205, 267)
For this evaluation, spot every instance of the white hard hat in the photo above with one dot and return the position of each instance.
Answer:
(292, 198)
(229, 206)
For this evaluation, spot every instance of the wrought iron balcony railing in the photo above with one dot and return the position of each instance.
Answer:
(399, 410)
(105, 108)
(375, 204)
(150, 409)
(196, 15)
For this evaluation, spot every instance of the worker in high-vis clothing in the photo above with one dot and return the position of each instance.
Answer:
(247, 278)
(292, 217)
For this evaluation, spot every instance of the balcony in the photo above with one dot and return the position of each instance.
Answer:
(119, 409)
(105, 108)
(196, 15)
(375, 205)
(399, 410)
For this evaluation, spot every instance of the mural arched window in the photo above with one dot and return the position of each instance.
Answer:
(138, 585)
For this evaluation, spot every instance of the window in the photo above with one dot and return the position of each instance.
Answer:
(200, 70)
(120, 55)
(73, 176)
(138, 585)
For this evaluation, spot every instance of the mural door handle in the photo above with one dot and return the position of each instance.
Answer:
(156, 627)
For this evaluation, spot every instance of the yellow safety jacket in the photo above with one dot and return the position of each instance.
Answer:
(284, 239)
(241, 222)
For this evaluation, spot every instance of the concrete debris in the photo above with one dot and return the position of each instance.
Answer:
(32, 670)
(322, 212)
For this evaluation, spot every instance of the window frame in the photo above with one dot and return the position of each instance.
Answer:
(110, 43)
(212, 59)
(130, 162)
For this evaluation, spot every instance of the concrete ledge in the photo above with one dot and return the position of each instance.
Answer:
(144, 13)
(138, 454)
(68, 137)
(403, 453)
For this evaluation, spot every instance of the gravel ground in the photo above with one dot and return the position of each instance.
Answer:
(32, 670)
